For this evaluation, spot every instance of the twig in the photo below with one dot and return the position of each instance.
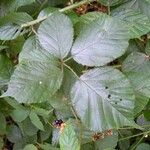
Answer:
(61, 10)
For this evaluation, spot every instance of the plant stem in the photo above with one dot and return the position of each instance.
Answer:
(137, 143)
(72, 71)
(134, 135)
(61, 10)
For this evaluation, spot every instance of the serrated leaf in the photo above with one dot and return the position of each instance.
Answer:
(68, 139)
(37, 78)
(137, 22)
(86, 19)
(137, 68)
(10, 25)
(56, 35)
(103, 99)
(30, 147)
(36, 121)
(100, 42)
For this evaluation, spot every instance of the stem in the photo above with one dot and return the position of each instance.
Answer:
(134, 136)
(61, 10)
(109, 8)
(137, 143)
(72, 71)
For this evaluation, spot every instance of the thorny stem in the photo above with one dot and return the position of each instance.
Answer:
(61, 10)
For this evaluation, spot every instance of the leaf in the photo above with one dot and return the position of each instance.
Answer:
(143, 146)
(87, 19)
(5, 69)
(147, 48)
(37, 78)
(110, 2)
(2, 47)
(138, 23)
(137, 68)
(103, 99)
(107, 142)
(140, 102)
(56, 35)
(13, 5)
(2, 124)
(19, 115)
(30, 147)
(36, 121)
(1, 143)
(68, 139)
(14, 134)
(47, 11)
(100, 42)
(28, 128)
(10, 25)
(47, 146)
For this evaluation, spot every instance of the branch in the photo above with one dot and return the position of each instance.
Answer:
(61, 10)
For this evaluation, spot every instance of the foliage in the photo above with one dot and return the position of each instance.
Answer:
(75, 82)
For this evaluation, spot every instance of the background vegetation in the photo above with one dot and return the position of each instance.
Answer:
(74, 75)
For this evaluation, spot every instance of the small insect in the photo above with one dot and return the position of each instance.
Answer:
(59, 124)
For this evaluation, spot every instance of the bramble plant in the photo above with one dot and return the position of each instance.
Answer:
(74, 75)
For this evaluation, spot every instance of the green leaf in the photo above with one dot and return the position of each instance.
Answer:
(19, 115)
(100, 42)
(28, 128)
(30, 147)
(68, 139)
(87, 19)
(110, 2)
(36, 121)
(143, 146)
(5, 69)
(140, 102)
(56, 35)
(37, 78)
(47, 11)
(2, 124)
(1, 143)
(137, 68)
(147, 48)
(103, 99)
(138, 23)
(14, 134)
(47, 146)
(10, 25)
(2, 47)
(13, 5)
(107, 142)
